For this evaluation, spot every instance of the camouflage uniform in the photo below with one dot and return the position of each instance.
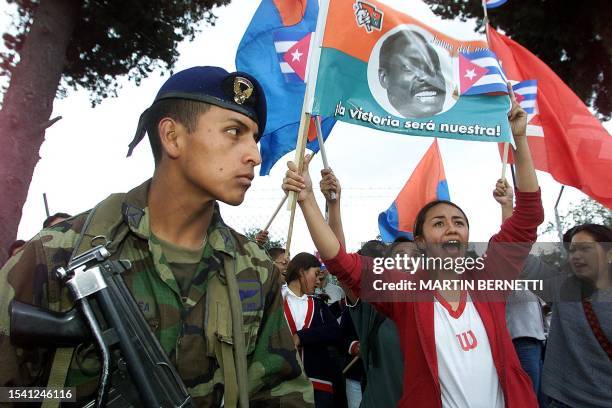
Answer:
(275, 374)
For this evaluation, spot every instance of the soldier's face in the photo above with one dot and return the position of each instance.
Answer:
(218, 159)
(414, 81)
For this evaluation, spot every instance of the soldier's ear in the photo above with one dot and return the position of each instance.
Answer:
(169, 136)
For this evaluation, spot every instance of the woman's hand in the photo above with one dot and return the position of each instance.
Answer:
(299, 183)
(329, 183)
(503, 193)
(261, 238)
(517, 117)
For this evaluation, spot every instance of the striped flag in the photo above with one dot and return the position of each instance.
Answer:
(491, 4)
(292, 51)
(274, 49)
(480, 73)
(526, 93)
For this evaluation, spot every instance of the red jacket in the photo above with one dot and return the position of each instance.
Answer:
(415, 320)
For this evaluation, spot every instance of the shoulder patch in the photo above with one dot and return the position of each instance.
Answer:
(251, 294)
(132, 215)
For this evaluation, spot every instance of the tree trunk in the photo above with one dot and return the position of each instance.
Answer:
(27, 105)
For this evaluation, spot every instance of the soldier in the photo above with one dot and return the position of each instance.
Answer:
(203, 126)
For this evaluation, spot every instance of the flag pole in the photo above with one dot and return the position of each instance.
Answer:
(299, 162)
(46, 204)
(311, 80)
(557, 218)
(506, 144)
(280, 205)
(486, 18)
(322, 150)
(505, 160)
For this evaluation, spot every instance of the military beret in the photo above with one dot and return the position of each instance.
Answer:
(237, 91)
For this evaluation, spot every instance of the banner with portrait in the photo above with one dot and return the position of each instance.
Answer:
(386, 70)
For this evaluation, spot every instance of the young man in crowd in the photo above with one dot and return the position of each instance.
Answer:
(203, 126)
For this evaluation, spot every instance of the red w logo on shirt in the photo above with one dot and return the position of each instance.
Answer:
(465, 343)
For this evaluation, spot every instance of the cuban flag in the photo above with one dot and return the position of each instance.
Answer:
(526, 93)
(480, 73)
(292, 51)
(274, 49)
(491, 4)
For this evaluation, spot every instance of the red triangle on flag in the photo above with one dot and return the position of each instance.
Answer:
(312, 130)
(297, 56)
(469, 73)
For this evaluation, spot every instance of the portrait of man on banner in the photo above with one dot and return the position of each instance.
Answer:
(409, 75)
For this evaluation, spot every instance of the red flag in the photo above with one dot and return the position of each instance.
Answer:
(575, 148)
(427, 183)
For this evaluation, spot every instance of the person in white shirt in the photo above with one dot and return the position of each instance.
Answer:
(314, 330)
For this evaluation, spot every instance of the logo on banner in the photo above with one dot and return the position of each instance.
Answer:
(465, 343)
(368, 16)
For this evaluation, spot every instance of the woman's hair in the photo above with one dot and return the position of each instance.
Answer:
(301, 262)
(373, 249)
(600, 233)
(420, 218)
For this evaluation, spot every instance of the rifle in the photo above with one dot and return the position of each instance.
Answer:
(142, 373)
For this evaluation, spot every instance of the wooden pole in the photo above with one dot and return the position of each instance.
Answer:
(505, 160)
(275, 213)
(322, 150)
(299, 162)
(349, 365)
(506, 147)
(311, 75)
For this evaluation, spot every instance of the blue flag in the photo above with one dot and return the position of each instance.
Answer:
(491, 4)
(274, 49)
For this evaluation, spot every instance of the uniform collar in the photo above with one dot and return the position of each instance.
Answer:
(135, 212)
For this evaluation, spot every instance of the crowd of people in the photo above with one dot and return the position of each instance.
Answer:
(302, 337)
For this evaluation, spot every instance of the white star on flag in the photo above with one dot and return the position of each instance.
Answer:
(296, 55)
(470, 73)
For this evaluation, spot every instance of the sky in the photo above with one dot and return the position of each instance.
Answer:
(83, 156)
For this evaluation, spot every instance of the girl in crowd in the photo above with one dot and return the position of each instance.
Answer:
(578, 363)
(457, 352)
(314, 328)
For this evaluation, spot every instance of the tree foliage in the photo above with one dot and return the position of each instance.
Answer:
(583, 212)
(586, 211)
(575, 40)
(113, 39)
